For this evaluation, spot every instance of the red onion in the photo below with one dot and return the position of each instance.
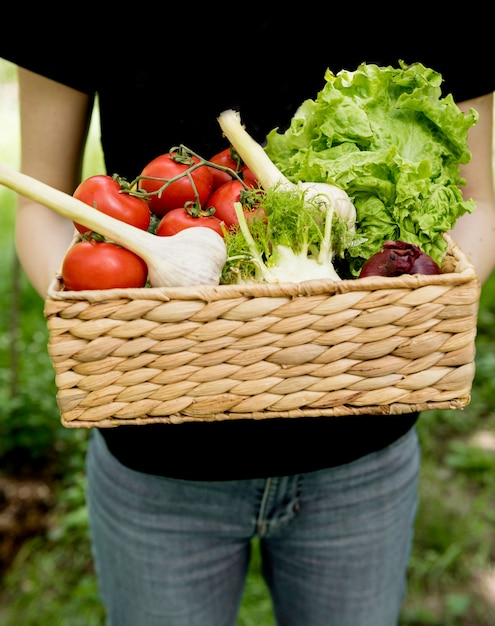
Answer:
(399, 257)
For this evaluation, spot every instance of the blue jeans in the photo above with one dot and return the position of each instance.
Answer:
(335, 543)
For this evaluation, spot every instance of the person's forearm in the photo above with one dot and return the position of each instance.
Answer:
(475, 233)
(54, 124)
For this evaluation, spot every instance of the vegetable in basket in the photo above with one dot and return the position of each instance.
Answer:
(398, 257)
(224, 197)
(387, 137)
(109, 195)
(293, 240)
(228, 158)
(194, 256)
(96, 264)
(188, 180)
(305, 225)
(188, 216)
(269, 176)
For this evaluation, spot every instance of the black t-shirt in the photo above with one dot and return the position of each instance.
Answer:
(162, 82)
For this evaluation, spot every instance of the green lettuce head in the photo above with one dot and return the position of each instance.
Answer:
(389, 139)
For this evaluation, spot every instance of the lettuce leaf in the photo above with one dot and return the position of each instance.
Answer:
(389, 139)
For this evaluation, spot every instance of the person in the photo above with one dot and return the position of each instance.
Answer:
(174, 509)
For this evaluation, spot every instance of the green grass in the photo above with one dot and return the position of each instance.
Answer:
(52, 579)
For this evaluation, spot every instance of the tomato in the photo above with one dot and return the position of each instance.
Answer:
(102, 265)
(249, 177)
(225, 159)
(229, 158)
(105, 194)
(181, 218)
(177, 193)
(223, 199)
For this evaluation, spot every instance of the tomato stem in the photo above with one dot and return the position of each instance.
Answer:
(184, 155)
(194, 210)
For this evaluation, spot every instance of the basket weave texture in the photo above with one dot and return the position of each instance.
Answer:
(319, 348)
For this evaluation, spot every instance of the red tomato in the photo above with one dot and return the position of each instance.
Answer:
(102, 265)
(223, 199)
(104, 193)
(223, 158)
(255, 214)
(248, 177)
(176, 194)
(179, 219)
(229, 158)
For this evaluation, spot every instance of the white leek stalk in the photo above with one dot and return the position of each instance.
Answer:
(268, 175)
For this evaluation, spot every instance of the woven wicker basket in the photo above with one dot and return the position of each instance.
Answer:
(369, 346)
